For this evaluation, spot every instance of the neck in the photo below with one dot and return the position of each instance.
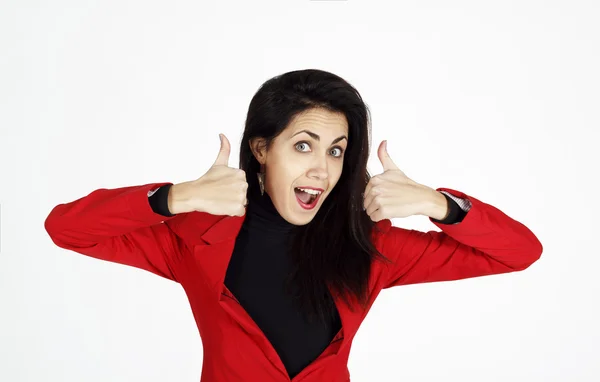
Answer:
(262, 215)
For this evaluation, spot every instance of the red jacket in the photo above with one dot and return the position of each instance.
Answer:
(194, 249)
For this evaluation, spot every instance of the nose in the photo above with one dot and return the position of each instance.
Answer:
(318, 170)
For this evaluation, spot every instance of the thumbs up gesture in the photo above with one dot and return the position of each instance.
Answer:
(392, 194)
(220, 191)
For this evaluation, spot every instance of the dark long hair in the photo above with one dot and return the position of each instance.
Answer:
(335, 248)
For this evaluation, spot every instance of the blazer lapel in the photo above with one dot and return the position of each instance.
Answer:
(215, 252)
(213, 256)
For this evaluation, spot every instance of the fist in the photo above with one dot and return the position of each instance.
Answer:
(222, 190)
(392, 194)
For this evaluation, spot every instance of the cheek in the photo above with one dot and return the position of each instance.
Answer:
(281, 178)
(336, 172)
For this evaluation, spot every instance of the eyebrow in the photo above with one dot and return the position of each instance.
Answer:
(318, 139)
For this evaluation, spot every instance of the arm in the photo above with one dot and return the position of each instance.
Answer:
(485, 242)
(118, 225)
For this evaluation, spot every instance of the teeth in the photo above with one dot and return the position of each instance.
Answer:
(308, 191)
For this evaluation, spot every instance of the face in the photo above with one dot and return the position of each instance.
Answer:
(307, 155)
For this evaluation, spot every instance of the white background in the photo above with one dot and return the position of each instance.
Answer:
(495, 99)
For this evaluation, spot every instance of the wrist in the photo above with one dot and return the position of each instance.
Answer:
(437, 206)
(177, 199)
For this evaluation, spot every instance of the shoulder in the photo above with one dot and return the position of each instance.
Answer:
(192, 226)
(382, 231)
(391, 241)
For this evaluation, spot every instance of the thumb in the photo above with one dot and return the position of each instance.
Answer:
(384, 157)
(223, 157)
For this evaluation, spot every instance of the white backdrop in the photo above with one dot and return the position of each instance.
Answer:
(495, 99)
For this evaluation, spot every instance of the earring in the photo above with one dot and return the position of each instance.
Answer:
(261, 180)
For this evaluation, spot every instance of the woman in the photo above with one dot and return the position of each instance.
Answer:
(282, 258)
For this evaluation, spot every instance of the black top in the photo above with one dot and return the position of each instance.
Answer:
(256, 273)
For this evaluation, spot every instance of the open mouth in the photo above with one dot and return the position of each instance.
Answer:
(307, 198)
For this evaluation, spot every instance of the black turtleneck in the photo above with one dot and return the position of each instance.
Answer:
(256, 276)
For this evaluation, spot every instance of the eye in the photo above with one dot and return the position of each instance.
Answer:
(304, 143)
(340, 150)
(301, 143)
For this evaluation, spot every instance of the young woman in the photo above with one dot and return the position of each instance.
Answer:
(282, 258)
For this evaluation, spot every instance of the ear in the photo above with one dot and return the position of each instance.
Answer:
(259, 149)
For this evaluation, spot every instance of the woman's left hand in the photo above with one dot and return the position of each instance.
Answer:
(392, 194)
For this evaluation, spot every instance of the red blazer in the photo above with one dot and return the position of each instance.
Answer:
(194, 249)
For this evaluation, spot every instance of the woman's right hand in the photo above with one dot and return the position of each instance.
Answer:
(221, 191)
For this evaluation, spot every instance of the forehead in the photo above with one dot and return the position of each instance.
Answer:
(321, 120)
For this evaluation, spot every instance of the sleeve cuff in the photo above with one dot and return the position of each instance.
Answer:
(159, 200)
(457, 212)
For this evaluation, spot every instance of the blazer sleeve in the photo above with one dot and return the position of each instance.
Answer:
(485, 242)
(117, 225)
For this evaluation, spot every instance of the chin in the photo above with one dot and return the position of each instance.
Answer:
(299, 217)
(294, 219)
